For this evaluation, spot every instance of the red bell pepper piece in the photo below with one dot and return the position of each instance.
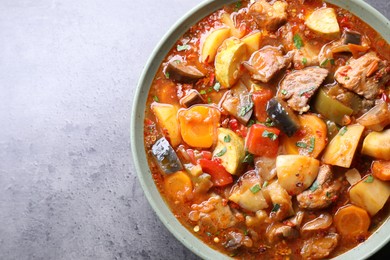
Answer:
(260, 99)
(262, 140)
(219, 175)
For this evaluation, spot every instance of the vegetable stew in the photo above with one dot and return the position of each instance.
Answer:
(267, 130)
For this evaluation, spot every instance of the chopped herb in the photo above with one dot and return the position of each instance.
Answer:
(301, 144)
(275, 208)
(203, 92)
(369, 179)
(346, 78)
(265, 184)
(245, 109)
(332, 62)
(251, 122)
(304, 61)
(217, 86)
(177, 61)
(298, 41)
(222, 152)
(328, 194)
(324, 63)
(343, 130)
(167, 75)
(227, 138)
(304, 91)
(270, 135)
(284, 92)
(183, 47)
(209, 100)
(237, 6)
(314, 186)
(269, 122)
(312, 144)
(155, 98)
(208, 234)
(210, 89)
(248, 158)
(255, 188)
(233, 254)
(246, 232)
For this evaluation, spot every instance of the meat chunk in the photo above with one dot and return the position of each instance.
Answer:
(319, 247)
(280, 231)
(300, 85)
(305, 57)
(268, 16)
(266, 62)
(236, 239)
(364, 75)
(213, 214)
(322, 192)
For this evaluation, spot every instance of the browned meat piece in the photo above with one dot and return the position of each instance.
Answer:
(322, 192)
(268, 16)
(300, 85)
(236, 239)
(305, 57)
(319, 247)
(279, 231)
(193, 97)
(364, 75)
(266, 62)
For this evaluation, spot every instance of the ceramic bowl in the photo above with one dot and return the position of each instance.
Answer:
(361, 9)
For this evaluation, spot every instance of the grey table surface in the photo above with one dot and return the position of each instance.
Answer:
(68, 73)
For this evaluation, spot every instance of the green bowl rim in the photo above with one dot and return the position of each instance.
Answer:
(372, 17)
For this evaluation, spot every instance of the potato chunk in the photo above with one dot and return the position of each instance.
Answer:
(324, 22)
(377, 145)
(296, 172)
(228, 61)
(370, 194)
(252, 42)
(229, 149)
(341, 150)
(212, 43)
(166, 115)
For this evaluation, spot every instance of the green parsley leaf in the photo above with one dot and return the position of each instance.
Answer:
(237, 6)
(227, 138)
(217, 86)
(304, 61)
(343, 130)
(298, 41)
(183, 47)
(222, 152)
(301, 144)
(332, 61)
(208, 234)
(304, 91)
(245, 109)
(248, 158)
(167, 75)
(177, 61)
(203, 92)
(246, 232)
(314, 186)
(265, 184)
(369, 179)
(210, 89)
(346, 78)
(255, 188)
(209, 100)
(284, 92)
(328, 194)
(324, 62)
(269, 122)
(251, 122)
(270, 135)
(312, 144)
(155, 98)
(275, 208)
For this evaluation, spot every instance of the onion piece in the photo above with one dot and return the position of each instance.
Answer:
(353, 176)
(322, 222)
(377, 118)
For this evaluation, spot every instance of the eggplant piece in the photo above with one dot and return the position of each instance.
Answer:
(352, 37)
(238, 102)
(283, 117)
(166, 157)
(182, 73)
(192, 98)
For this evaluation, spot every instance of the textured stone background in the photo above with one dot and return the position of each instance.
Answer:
(68, 72)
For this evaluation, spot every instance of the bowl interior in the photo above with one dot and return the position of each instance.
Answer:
(357, 7)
